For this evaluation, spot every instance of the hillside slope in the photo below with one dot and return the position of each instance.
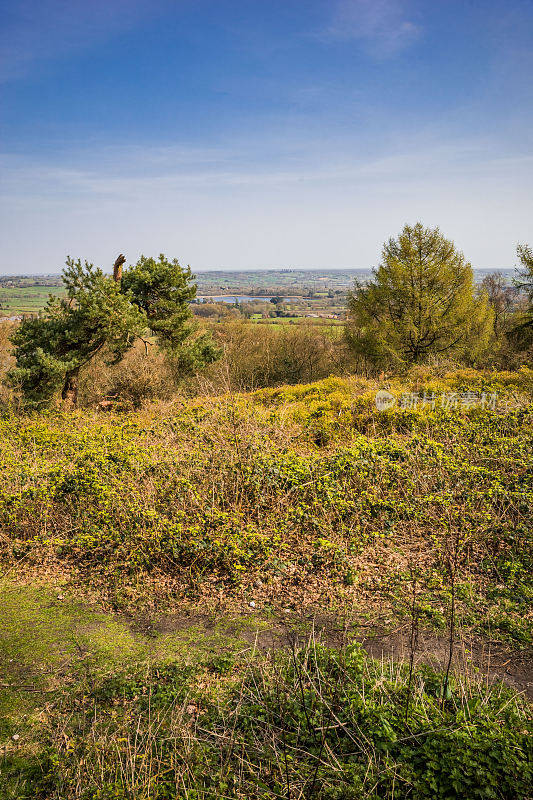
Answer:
(174, 546)
(308, 490)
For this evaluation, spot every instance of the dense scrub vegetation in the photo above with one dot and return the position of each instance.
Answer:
(303, 496)
(291, 486)
(156, 540)
(289, 498)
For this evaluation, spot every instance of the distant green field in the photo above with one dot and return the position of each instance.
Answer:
(17, 300)
(330, 327)
(26, 300)
(30, 299)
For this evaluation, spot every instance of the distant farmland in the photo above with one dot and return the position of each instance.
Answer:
(15, 300)
(28, 294)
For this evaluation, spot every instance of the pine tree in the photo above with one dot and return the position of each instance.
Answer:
(163, 290)
(104, 314)
(420, 301)
(50, 349)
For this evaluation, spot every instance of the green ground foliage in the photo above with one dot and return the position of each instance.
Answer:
(302, 495)
(295, 483)
(118, 717)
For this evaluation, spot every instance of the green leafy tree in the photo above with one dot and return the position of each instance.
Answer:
(163, 290)
(420, 301)
(521, 332)
(103, 314)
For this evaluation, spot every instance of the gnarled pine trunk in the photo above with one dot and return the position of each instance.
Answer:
(69, 393)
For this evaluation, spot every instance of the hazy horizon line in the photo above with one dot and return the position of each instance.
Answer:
(229, 270)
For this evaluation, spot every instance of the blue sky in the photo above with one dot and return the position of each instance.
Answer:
(260, 133)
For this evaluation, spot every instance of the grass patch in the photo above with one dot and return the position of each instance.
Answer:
(308, 722)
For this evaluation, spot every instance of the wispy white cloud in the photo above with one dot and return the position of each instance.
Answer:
(384, 27)
(227, 207)
(137, 172)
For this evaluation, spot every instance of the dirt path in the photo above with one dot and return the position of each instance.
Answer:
(494, 660)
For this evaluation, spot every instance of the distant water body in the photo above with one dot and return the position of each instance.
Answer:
(243, 298)
(362, 274)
